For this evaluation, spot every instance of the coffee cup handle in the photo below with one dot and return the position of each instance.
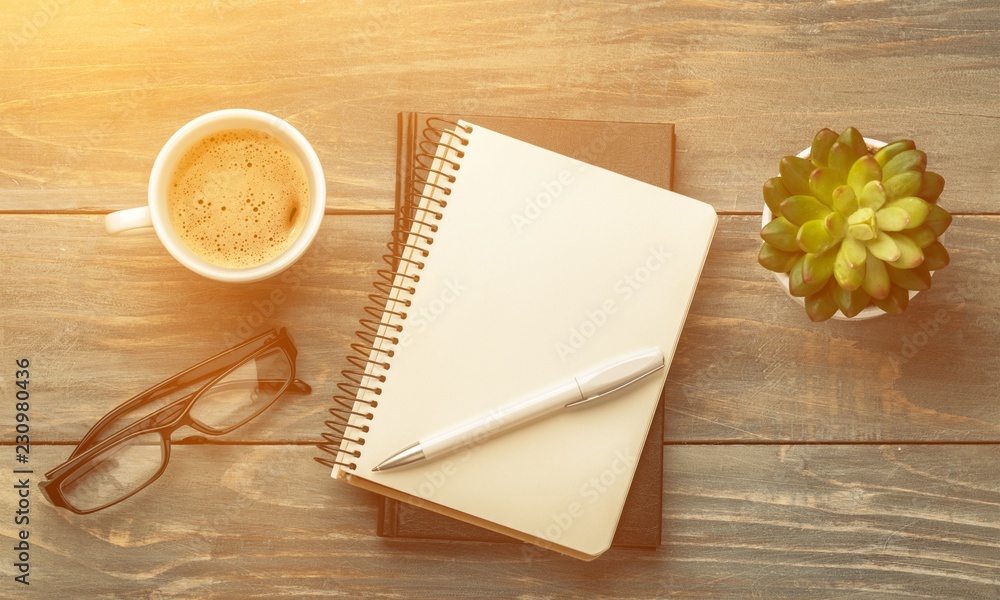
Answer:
(129, 221)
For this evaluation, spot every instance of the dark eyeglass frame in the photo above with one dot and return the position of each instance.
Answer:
(173, 416)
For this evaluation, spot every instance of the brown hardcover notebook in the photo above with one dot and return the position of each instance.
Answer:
(643, 151)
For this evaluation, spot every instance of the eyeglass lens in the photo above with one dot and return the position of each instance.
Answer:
(244, 392)
(115, 473)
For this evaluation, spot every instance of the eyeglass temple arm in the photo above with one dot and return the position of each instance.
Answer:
(297, 386)
(203, 370)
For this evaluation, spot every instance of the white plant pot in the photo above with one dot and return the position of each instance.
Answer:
(782, 278)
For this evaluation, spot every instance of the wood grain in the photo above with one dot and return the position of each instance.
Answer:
(90, 94)
(739, 521)
(751, 366)
(104, 318)
(893, 492)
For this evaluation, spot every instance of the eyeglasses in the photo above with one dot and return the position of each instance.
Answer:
(129, 448)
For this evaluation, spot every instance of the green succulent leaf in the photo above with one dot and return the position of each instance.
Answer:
(876, 283)
(887, 152)
(938, 219)
(822, 305)
(862, 232)
(817, 268)
(862, 215)
(884, 247)
(776, 260)
(841, 158)
(873, 195)
(861, 224)
(908, 160)
(853, 138)
(780, 233)
(813, 237)
(905, 184)
(895, 301)
(836, 225)
(774, 192)
(825, 138)
(916, 210)
(795, 174)
(799, 288)
(802, 209)
(851, 303)
(848, 277)
(854, 251)
(822, 183)
(845, 201)
(922, 236)
(892, 218)
(936, 257)
(863, 170)
(910, 254)
(931, 187)
(917, 278)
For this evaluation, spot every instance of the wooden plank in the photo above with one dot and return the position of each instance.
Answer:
(102, 318)
(90, 93)
(751, 366)
(764, 521)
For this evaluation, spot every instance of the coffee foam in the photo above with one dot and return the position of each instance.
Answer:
(238, 198)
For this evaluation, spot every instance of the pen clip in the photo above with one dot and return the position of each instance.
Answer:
(613, 390)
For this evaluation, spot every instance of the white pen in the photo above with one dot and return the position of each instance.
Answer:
(591, 385)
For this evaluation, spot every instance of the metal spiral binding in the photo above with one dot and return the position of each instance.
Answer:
(371, 355)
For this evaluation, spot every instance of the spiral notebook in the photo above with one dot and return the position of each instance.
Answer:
(643, 151)
(520, 267)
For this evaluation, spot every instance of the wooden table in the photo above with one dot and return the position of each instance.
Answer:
(801, 460)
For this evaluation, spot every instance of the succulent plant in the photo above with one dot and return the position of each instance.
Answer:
(853, 226)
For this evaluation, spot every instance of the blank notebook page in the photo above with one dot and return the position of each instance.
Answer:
(542, 267)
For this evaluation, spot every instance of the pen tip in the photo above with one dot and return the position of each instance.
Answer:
(376, 469)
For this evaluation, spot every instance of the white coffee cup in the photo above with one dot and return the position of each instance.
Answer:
(155, 216)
